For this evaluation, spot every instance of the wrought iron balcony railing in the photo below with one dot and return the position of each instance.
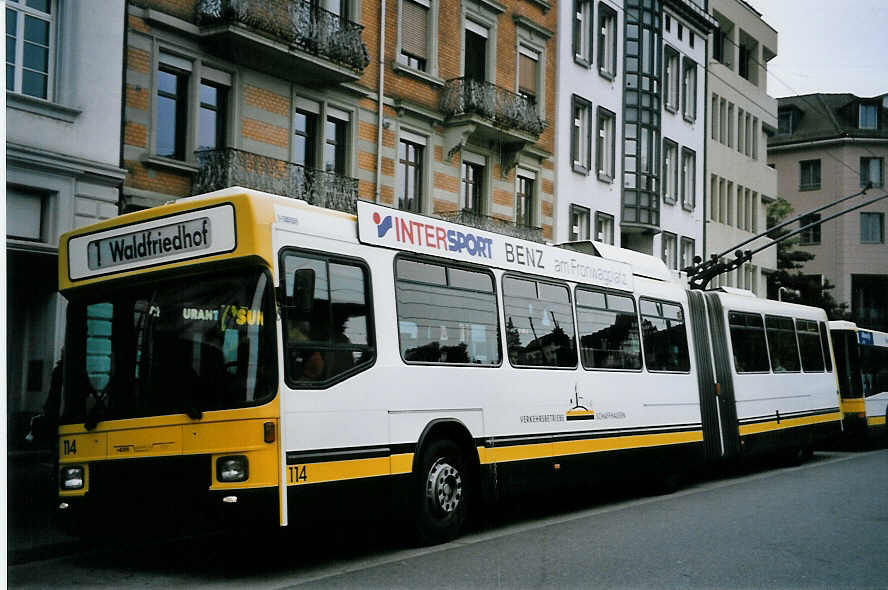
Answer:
(230, 167)
(492, 224)
(464, 96)
(296, 22)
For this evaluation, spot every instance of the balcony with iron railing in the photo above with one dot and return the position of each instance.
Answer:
(486, 113)
(507, 111)
(227, 167)
(492, 224)
(293, 39)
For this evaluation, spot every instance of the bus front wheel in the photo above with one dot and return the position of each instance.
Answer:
(441, 492)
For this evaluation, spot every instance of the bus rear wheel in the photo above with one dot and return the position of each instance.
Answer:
(441, 493)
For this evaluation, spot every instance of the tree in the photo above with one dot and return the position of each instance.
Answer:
(802, 288)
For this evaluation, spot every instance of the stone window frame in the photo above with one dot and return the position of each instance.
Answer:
(198, 69)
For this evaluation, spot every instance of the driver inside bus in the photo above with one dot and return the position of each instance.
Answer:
(312, 361)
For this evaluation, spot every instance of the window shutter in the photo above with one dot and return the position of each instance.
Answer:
(528, 74)
(413, 29)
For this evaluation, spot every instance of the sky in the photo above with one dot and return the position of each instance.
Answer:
(828, 46)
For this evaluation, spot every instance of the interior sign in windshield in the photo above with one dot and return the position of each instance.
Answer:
(188, 236)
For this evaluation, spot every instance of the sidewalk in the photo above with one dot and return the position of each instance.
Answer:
(31, 504)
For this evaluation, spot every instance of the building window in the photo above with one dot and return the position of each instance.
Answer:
(812, 234)
(604, 227)
(868, 116)
(784, 123)
(872, 228)
(604, 154)
(719, 38)
(810, 175)
(25, 212)
(336, 142)
(745, 57)
(871, 171)
(211, 131)
(741, 131)
(29, 34)
(172, 108)
(305, 130)
(475, 51)
(524, 198)
(689, 81)
(581, 135)
(414, 34)
(687, 253)
(747, 129)
(410, 160)
(582, 32)
(670, 78)
(670, 171)
(579, 224)
(727, 114)
(607, 41)
(688, 179)
(755, 136)
(472, 179)
(669, 253)
(528, 73)
(714, 117)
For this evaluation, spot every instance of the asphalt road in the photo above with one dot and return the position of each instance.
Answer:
(821, 525)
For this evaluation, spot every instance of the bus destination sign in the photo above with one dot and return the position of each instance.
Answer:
(187, 236)
(383, 226)
(178, 237)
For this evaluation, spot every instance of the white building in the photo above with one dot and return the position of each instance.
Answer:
(630, 163)
(742, 116)
(589, 117)
(63, 110)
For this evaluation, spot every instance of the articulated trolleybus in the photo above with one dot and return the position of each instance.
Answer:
(253, 351)
(862, 368)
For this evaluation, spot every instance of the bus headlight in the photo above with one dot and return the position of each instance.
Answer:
(71, 477)
(234, 468)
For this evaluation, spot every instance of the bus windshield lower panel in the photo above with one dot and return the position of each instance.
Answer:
(182, 345)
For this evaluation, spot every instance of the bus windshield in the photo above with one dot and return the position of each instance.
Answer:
(180, 345)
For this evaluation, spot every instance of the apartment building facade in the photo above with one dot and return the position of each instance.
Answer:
(63, 106)
(742, 116)
(434, 106)
(828, 146)
(639, 183)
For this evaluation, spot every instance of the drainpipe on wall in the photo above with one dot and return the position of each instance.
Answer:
(379, 105)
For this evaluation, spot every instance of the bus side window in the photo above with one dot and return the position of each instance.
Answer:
(664, 338)
(326, 317)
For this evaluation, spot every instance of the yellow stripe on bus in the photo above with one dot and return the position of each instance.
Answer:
(876, 421)
(577, 447)
(330, 471)
(853, 406)
(746, 429)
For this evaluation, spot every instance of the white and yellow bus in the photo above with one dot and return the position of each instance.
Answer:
(862, 368)
(259, 353)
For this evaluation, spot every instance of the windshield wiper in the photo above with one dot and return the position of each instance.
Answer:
(97, 413)
(192, 410)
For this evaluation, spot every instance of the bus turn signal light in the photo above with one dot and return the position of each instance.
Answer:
(269, 432)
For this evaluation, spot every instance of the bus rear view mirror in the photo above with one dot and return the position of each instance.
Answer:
(303, 287)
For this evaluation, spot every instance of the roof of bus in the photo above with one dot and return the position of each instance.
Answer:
(743, 302)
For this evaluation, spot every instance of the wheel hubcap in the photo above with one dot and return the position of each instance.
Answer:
(444, 487)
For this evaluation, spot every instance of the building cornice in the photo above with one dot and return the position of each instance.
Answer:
(785, 147)
(523, 21)
(34, 157)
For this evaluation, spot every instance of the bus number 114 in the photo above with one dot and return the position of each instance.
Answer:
(297, 473)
